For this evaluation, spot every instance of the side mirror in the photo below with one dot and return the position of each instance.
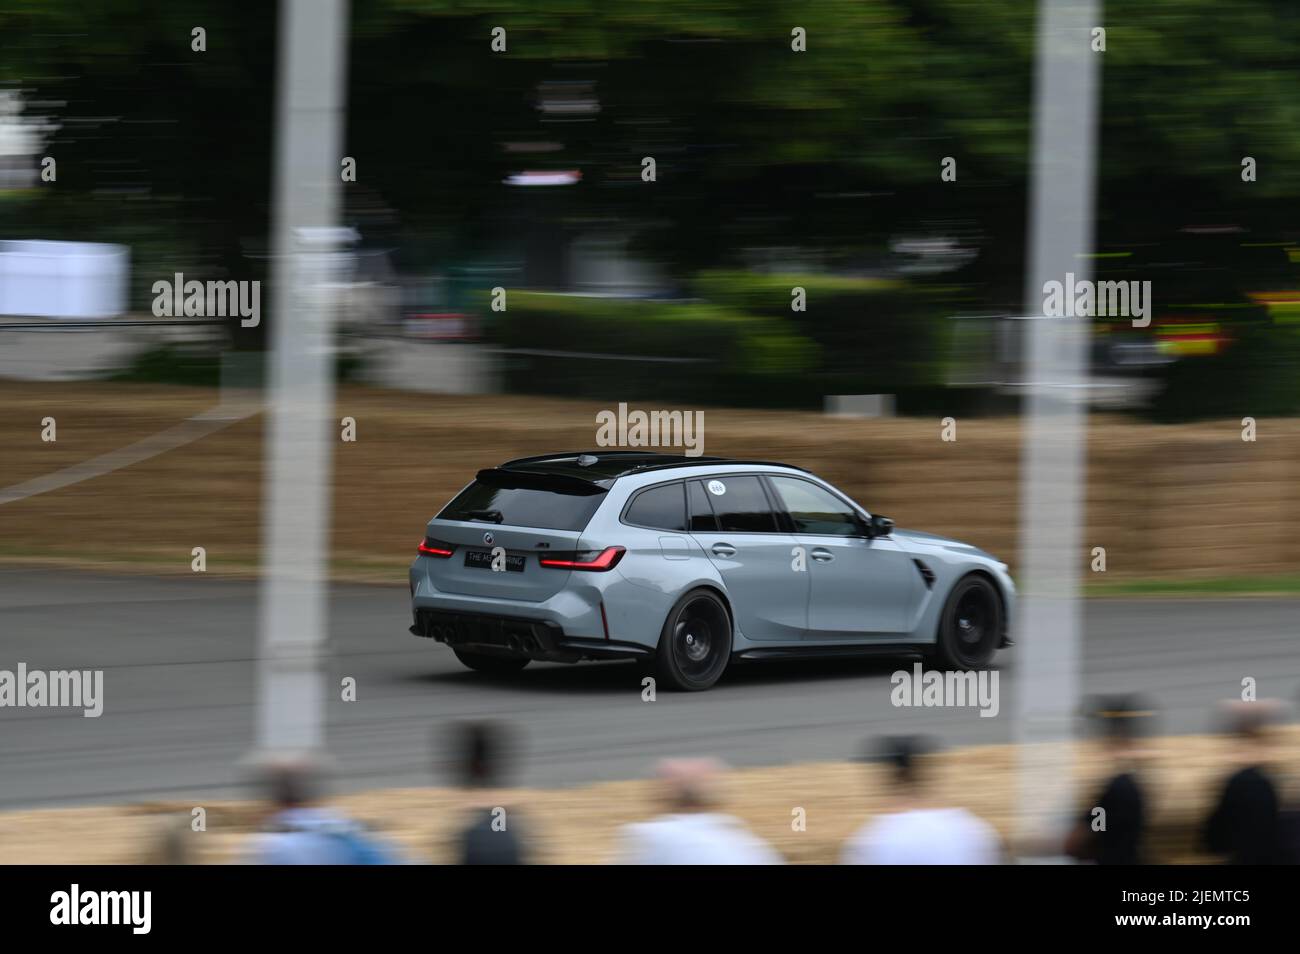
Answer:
(880, 526)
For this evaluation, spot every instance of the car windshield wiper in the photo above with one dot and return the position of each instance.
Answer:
(493, 516)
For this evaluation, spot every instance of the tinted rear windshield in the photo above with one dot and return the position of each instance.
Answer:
(500, 500)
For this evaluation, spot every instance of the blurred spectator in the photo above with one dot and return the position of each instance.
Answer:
(172, 844)
(1123, 724)
(1246, 825)
(299, 832)
(919, 831)
(691, 832)
(492, 835)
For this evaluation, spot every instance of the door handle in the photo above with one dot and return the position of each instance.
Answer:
(723, 550)
(822, 556)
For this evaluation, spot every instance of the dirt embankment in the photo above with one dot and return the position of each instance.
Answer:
(1181, 501)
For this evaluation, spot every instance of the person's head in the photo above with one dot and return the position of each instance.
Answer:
(1251, 723)
(1122, 723)
(291, 781)
(689, 785)
(908, 760)
(482, 754)
(173, 844)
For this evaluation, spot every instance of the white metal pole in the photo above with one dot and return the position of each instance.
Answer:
(1054, 434)
(295, 552)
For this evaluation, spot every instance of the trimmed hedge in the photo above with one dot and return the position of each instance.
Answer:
(198, 366)
(878, 336)
(738, 358)
(1257, 375)
(857, 336)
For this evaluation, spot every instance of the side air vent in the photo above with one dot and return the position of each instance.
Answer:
(927, 574)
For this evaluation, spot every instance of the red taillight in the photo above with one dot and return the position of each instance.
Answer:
(433, 548)
(605, 559)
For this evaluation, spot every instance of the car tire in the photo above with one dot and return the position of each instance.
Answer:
(484, 662)
(971, 627)
(695, 643)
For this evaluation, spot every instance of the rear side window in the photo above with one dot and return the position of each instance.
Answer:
(740, 504)
(543, 509)
(663, 508)
(702, 518)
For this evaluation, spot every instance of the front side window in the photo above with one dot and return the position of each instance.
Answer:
(738, 501)
(702, 518)
(814, 509)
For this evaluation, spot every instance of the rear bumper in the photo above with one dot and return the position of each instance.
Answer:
(517, 636)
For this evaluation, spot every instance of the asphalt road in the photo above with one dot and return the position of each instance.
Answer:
(178, 661)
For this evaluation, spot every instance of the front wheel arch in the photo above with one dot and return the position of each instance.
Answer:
(948, 651)
(1002, 603)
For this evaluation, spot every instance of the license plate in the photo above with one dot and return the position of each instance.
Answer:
(482, 559)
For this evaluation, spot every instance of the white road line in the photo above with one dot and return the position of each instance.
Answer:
(200, 425)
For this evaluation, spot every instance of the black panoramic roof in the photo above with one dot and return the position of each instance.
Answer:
(609, 465)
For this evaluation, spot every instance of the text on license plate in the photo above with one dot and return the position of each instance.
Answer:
(483, 560)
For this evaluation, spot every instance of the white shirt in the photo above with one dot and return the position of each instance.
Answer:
(696, 838)
(930, 836)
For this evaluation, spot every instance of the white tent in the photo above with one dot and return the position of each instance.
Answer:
(63, 279)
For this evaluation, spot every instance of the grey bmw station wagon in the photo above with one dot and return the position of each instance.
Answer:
(687, 563)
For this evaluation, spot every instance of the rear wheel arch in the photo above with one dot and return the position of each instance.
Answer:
(722, 595)
(676, 665)
(717, 590)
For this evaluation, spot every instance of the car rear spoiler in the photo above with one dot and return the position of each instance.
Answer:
(533, 480)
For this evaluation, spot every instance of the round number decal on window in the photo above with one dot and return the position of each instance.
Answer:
(717, 488)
